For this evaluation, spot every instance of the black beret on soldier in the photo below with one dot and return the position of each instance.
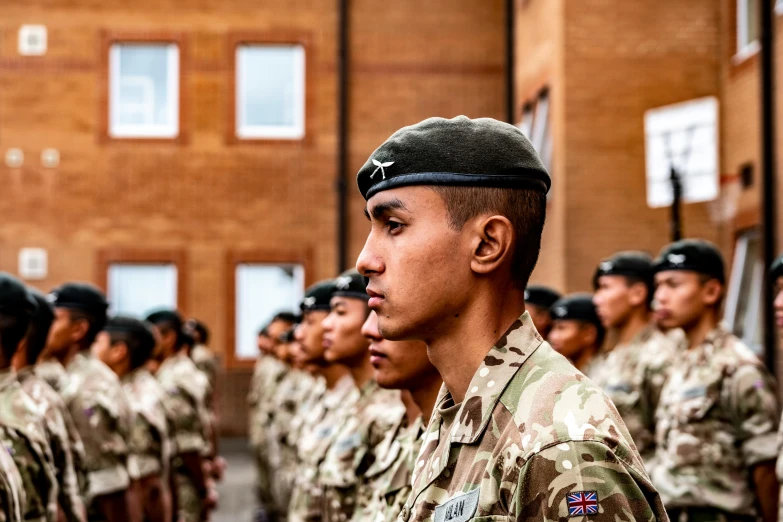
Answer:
(141, 330)
(776, 270)
(628, 264)
(15, 299)
(457, 152)
(317, 296)
(79, 296)
(693, 255)
(350, 284)
(576, 307)
(542, 296)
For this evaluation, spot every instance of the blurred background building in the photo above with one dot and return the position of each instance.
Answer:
(201, 154)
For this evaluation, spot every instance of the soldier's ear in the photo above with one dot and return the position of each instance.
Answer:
(637, 294)
(493, 241)
(712, 291)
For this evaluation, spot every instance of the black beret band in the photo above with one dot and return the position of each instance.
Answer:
(776, 270)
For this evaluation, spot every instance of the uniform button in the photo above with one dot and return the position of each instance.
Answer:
(405, 514)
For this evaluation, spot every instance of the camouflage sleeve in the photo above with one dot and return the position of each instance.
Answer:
(143, 459)
(187, 431)
(34, 460)
(559, 481)
(13, 500)
(69, 493)
(753, 403)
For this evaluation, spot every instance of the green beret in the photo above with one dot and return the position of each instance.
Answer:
(79, 296)
(141, 330)
(776, 270)
(171, 317)
(575, 307)
(44, 314)
(317, 296)
(693, 255)
(540, 295)
(350, 284)
(462, 152)
(15, 299)
(629, 264)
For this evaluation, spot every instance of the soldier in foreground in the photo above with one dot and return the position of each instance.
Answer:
(776, 279)
(401, 365)
(538, 302)
(718, 412)
(94, 397)
(125, 345)
(13, 500)
(633, 371)
(457, 210)
(22, 431)
(576, 331)
(64, 440)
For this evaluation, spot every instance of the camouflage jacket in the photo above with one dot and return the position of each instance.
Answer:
(534, 439)
(101, 414)
(207, 363)
(263, 413)
(307, 495)
(309, 411)
(23, 435)
(717, 418)
(149, 446)
(361, 450)
(56, 423)
(183, 404)
(382, 499)
(13, 500)
(633, 376)
(53, 373)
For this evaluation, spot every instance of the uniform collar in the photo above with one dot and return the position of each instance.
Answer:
(490, 380)
(7, 378)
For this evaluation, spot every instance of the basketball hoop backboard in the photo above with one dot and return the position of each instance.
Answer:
(683, 136)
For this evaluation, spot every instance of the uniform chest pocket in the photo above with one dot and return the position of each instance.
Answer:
(696, 401)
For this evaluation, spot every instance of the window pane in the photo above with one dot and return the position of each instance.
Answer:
(138, 289)
(746, 283)
(270, 82)
(753, 20)
(262, 291)
(144, 90)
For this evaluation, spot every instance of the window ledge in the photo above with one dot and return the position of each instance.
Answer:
(779, 7)
(746, 53)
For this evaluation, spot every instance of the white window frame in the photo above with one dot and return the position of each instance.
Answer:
(293, 132)
(745, 48)
(751, 319)
(779, 7)
(170, 130)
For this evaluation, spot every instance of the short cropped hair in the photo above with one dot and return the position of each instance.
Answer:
(524, 208)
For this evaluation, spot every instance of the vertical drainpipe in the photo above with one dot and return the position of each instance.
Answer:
(769, 184)
(342, 133)
(510, 61)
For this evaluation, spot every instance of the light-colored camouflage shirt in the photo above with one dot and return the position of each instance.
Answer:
(56, 423)
(307, 494)
(13, 500)
(717, 418)
(633, 375)
(23, 436)
(361, 447)
(54, 373)
(100, 411)
(149, 446)
(534, 439)
(382, 498)
(182, 403)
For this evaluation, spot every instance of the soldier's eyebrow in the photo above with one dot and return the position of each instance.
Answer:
(382, 208)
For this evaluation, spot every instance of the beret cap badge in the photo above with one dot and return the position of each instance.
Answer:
(342, 283)
(380, 166)
(676, 259)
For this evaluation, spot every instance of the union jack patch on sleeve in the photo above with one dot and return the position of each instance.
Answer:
(582, 503)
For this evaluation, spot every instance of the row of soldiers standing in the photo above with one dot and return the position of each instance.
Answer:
(103, 418)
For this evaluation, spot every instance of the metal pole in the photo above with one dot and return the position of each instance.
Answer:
(768, 161)
(511, 109)
(676, 222)
(343, 56)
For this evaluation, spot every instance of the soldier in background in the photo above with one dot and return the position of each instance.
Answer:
(776, 279)
(13, 500)
(364, 441)
(576, 331)
(718, 414)
(95, 399)
(64, 439)
(22, 431)
(633, 371)
(125, 345)
(184, 386)
(538, 302)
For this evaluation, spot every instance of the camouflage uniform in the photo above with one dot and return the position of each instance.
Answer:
(53, 373)
(59, 426)
(382, 497)
(103, 419)
(361, 447)
(206, 362)
(533, 440)
(717, 418)
(180, 379)
(149, 446)
(633, 376)
(13, 500)
(322, 429)
(23, 434)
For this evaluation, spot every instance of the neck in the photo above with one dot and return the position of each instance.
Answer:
(462, 341)
(584, 358)
(66, 356)
(632, 327)
(332, 374)
(425, 395)
(697, 333)
(412, 411)
(362, 372)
